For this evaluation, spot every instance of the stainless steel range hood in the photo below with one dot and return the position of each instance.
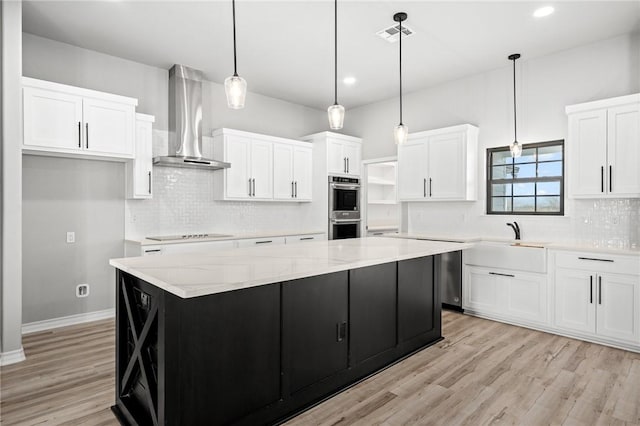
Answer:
(185, 122)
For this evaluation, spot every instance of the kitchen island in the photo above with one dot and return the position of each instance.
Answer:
(255, 335)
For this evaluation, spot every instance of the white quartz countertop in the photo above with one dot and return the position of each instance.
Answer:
(148, 242)
(570, 246)
(210, 272)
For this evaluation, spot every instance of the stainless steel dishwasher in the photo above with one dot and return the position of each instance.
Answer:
(450, 267)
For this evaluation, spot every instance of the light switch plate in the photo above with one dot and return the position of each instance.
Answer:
(71, 237)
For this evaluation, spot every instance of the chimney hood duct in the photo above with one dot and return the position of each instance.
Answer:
(185, 122)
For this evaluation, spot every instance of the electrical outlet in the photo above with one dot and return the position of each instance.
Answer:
(71, 237)
(82, 290)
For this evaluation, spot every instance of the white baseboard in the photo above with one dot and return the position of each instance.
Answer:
(33, 327)
(12, 357)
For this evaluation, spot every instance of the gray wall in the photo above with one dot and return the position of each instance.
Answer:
(11, 281)
(50, 295)
(60, 195)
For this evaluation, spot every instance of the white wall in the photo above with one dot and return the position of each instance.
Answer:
(545, 86)
(183, 197)
(11, 294)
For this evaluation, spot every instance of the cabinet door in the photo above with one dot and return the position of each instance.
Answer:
(283, 179)
(417, 297)
(262, 169)
(412, 180)
(336, 159)
(372, 311)
(482, 291)
(588, 148)
(351, 150)
(446, 164)
(618, 307)
(52, 120)
(108, 127)
(303, 173)
(623, 147)
(575, 297)
(526, 296)
(142, 164)
(237, 151)
(315, 312)
(202, 246)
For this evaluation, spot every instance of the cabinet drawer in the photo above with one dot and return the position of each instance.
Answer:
(601, 262)
(292, 239)
(267, 241)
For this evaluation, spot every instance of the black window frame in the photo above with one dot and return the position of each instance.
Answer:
(536, 179)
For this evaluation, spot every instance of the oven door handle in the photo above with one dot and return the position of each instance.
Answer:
(343, 221)
(344, 186)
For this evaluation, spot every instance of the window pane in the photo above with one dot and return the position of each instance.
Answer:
(501, 157)
(528, 156)
(524, 188)
(501, 172)
(500, 204)
(550, 153)
(550, 169)
(548, 188)
(501, 189)
(524, 204)
(548, 204)
(522, 171)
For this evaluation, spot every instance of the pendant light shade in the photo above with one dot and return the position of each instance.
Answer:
(515, 147)
(235, 86)
(335, 111)
(400, 132)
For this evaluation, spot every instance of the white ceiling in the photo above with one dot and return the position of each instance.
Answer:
(285, 48)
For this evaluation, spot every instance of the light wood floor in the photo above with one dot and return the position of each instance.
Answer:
(483, 372)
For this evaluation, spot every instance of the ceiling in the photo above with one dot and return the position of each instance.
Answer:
(285, 48)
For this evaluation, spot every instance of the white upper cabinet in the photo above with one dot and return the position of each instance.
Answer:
(70, 121)
(139, 172)
(343, 157)
(263, 168)
(604, 147)
(439, 165)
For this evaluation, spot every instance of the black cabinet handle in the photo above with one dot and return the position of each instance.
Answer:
(296, 188)
(348, 165)
(249, 187)
(610, 180)
(264, 242)
(601, 178)
(591, 289)
(307, 238)
(595, 259)
(599, 290)
(254, 187)
(149, 182)
(79, 135)
(292, 189)
(430, 186)
(502, 275)
(424, 187)
(87, 139)
(341, 331)
(153, 251)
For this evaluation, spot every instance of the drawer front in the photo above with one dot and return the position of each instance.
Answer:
(600, 262)
(292, 239)
(267, 241)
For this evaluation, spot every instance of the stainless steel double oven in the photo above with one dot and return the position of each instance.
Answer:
(344, 207)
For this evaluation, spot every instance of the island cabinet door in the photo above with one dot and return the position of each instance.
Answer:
(418, 300)
(372, 306)
(315, 315)
(229, 365)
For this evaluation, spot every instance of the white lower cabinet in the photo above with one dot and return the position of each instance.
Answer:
(187, 247)
(292, 239)
(511, 295)
(597, 303)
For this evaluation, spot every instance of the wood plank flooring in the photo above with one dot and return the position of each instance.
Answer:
(484, 372)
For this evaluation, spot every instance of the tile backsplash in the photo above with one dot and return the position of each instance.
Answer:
(609, 223)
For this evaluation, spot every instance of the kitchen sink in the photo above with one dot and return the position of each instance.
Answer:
(529, 256)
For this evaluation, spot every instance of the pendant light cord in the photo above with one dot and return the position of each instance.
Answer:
(400, 62)
(515, 116)
(235, 63)
(335, 52)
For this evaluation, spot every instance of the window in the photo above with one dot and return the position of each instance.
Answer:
(531, 184)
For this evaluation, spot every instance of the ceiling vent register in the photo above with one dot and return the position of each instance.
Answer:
(390, 34)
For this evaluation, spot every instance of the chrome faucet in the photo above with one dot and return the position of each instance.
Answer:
(515, 228)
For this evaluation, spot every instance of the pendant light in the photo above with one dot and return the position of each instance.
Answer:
(335, 111)
(400, 132)
(235, 86)
(515, 147)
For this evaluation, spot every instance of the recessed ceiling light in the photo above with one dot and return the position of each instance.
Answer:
(349, 81)
(543, 11)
